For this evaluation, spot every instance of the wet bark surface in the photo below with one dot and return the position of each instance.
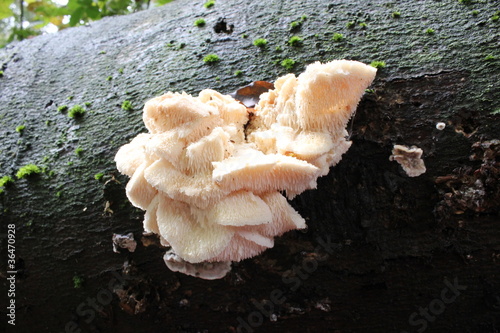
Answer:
(383, 252)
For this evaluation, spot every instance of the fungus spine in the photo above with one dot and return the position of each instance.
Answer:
(210, 177)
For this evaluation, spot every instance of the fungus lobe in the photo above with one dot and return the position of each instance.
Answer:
(209, 176)
(410, 159)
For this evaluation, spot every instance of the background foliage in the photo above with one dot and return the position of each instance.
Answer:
(20, 19)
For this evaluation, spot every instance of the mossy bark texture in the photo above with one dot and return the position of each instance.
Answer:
(383, 252)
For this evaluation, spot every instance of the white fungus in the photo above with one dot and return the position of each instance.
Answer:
(410, 159)
(204, 270)
(124, 242)
(209, 178)
(440, 126)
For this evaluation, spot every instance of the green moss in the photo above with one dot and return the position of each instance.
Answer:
(363, 25)
(288, 63)
(79, 151)
(58, 194)
(465, 2)
(495, 112)
(475, 12)
(337, 37)
(211, 58)
(28, 170)
(6, 180)
(120, 70)
(350, 25)
(260, 42)
(209, 4)
(238, 73)
(70, 163)
(98, 176)
(62, 108)
(127, 105)
(87, 104)
(490, 57)
(295, 25)
(495, 18)
(70, 98)
(20, 129)
(1, 73)
(200, 22)
(109, 78)
(244, 36)
(430, 31)
(76, 111)
(378, 64)
(295, 41)
(78, 281)
(396, 14)
(62, 139)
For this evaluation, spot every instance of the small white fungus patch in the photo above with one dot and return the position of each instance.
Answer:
(410, 159)
(440, 126)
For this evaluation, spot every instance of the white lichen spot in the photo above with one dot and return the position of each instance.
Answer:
(410, 159)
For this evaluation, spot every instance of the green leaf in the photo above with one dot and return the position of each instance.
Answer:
(93, 12)
(162, 2)
(76, 16)
(50, 10)
(5, 10)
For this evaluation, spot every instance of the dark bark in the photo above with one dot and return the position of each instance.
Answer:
(398, 241)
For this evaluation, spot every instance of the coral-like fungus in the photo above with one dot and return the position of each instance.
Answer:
(209, 176)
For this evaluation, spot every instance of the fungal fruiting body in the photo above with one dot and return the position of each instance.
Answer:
(410, 159)
(209, 177)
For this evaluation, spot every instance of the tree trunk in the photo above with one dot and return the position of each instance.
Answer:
(383, 252)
